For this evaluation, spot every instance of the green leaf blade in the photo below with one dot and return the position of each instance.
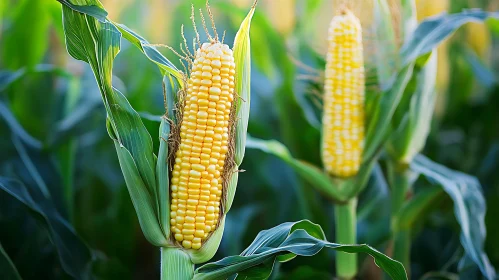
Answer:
(469, 208)
(285, 239)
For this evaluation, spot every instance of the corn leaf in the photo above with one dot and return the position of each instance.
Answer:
(95, 10)
(7, 267)
(469, 209)
(380, 120)
(313, 175)
(165, 66)
(73, 254)
(97, 43)
(242, 58)
(301, 238)
(14, 125)
(431, 32)
(409, 138)
(7, 78)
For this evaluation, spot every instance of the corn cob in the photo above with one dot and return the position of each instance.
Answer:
(196, 185)
(343, 114)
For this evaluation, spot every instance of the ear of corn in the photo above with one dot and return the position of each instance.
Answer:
(196, 184)
(343, 116)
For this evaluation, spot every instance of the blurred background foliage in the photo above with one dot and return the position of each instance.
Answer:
(53, 138)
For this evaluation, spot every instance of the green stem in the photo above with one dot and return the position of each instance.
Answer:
(402, 247)
(346, 233)
(176, 265)
(401, 186)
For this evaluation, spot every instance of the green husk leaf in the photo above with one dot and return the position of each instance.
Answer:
(142, 200)
(469, 209)
(306, 239)
(242, 58)
(409, 137)
(231, 190)
(163, 178)
(380, 120)
(313, 175)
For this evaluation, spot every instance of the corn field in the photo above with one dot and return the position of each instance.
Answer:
(249, 139)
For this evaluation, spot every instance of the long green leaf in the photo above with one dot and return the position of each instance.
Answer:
(74, 255)
(165, 66)
(469, 208)
(7, 267)
(98, 43)
(300, 238)
(242, 58)
(431, 32)
(313, 175)
(14, 125)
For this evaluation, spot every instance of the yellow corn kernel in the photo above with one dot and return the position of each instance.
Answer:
(343, 115)
(197, 184)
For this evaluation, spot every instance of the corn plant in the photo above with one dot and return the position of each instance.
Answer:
(398, 112)
(202, 140)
